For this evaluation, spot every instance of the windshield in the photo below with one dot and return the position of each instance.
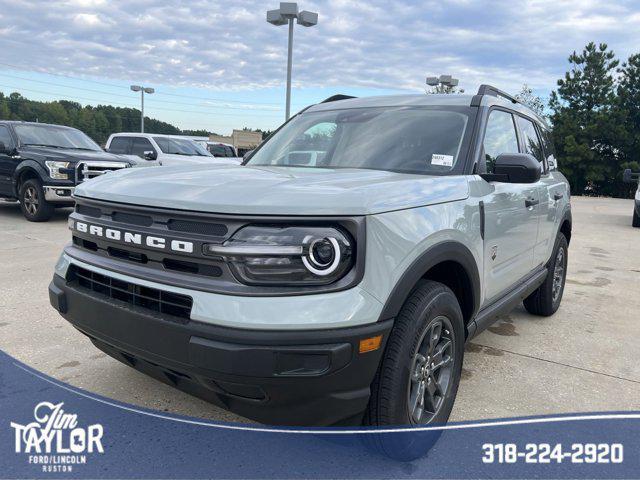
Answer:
(56, 137)
(221, 150)
(402, 139)
(179, 146)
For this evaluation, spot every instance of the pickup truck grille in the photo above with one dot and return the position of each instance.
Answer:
(159, 301)
(88, 170)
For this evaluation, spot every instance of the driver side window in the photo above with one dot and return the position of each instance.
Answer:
(500, 137)
(139, 145)
(5, 137)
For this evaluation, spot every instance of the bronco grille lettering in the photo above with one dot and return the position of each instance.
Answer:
(133, 238)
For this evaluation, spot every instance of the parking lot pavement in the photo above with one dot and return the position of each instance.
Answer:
(584, 358)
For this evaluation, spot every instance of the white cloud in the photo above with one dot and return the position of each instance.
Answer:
(87, 19)
(377, 44)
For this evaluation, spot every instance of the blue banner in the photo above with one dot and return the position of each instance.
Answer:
(49, 429)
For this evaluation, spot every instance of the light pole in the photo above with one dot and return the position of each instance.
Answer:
(286, 14)
(443, 84)
(142, 90)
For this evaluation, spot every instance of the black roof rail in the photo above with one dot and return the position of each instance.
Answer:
(337, 97)
(493, 91)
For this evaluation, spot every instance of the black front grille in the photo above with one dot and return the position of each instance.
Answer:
(176, 307)
(88, 211)
(203, 228)
(139, 220)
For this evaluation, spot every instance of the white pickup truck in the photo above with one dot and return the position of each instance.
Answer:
(154, 149)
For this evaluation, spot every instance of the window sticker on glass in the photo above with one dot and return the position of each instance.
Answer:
(442, 160)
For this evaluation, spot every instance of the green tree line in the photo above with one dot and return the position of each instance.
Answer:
(98, 122)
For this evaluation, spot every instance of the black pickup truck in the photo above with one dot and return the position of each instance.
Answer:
(41, 164)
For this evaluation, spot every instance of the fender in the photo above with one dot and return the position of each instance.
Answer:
(440, 252)
(28, 164)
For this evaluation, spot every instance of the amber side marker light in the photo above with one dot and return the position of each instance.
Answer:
(370, 344)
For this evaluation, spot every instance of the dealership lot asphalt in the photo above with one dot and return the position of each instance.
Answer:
(583, 359)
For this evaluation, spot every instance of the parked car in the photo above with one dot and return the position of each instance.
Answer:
(41, 164)
(341, 292)
(160, 149)
(630, 177)
(223, 150)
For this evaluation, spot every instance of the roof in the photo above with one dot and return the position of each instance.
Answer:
(422, 100)
(39, 124)
(146, 134)
(425, 100)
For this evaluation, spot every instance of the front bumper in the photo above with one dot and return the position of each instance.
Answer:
(285, 377)
(55, 194)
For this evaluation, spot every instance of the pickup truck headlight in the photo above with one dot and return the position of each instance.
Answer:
(287, 255)
(54, 169)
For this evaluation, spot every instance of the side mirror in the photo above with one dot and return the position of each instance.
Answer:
(515, 168)
(150, 155)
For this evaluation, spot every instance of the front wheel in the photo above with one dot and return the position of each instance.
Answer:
(546, 299)
(417, 381)
(636, 218)
(32, 202)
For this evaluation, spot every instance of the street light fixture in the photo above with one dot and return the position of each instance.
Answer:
(287, 12)
(142, 90)
(443, 83)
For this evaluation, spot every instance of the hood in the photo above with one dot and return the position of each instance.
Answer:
(70, 155)
(274, 190)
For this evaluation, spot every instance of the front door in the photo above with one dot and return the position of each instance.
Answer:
(511, 215)
(8, 163)
(552, 190)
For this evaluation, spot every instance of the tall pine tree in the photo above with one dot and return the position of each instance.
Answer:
(629, 105)
(587, 126)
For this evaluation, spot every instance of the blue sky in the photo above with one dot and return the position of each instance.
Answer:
(218, 65)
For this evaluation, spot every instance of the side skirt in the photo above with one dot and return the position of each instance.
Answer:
(508, 302)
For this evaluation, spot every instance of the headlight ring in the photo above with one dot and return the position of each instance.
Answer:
(316, 265)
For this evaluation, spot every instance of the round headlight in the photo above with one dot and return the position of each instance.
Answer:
(322, 252)
(287, 255)
(323, 257)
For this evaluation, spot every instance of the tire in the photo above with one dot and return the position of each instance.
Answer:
(394, 390)
(32, 203)
(636, 218)
(546, 299)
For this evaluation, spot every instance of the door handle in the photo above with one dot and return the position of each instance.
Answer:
(531, 202)
(557, 196)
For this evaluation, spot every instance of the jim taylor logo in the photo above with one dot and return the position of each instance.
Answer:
(134, 238)
(55, 440)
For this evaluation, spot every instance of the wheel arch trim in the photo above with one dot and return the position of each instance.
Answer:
(447, 251)
(566, 218)
(25, 166)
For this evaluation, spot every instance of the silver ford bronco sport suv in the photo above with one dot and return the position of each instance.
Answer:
(335, 276)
